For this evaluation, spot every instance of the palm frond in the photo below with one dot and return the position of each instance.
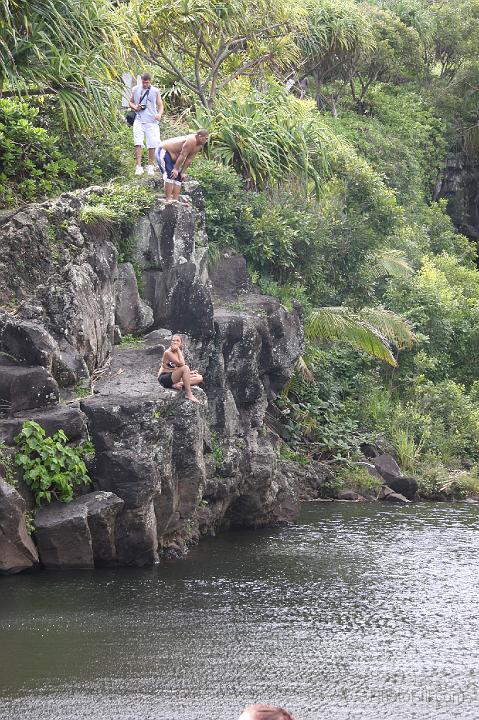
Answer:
(339, 324)
(304, 370)
(393, 263)
(390, 325)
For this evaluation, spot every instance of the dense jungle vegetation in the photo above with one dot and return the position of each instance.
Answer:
(330, 121)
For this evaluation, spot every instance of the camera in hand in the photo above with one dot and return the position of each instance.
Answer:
(141, 107)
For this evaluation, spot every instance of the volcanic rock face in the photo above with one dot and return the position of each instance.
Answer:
(17, 551)
(166, 470)
(459, 185)
(132, 315)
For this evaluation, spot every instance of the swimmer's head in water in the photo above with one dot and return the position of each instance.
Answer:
(265, 712)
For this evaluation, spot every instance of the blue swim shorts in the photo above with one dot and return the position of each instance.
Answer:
(166, 164)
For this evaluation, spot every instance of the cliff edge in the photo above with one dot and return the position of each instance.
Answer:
(166, 471)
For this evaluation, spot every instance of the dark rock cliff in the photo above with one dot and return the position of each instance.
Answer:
(459, 185)
(166, 471)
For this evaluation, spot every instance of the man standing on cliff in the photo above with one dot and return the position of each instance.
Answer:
(146, 101)
(174, 157)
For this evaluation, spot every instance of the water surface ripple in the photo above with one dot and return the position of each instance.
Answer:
(357, 611)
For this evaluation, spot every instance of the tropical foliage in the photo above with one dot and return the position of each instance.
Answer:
(330, 122)
(207, 44)
(62, 48)
(51, 468)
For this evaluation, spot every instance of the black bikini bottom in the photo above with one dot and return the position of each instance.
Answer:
(166, 380)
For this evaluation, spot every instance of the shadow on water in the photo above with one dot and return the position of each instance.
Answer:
(357, 611)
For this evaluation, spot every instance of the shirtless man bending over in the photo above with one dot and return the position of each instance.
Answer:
(174, 157)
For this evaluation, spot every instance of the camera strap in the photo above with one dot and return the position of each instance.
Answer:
(145, 94)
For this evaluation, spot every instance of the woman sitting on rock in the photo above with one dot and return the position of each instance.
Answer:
(265, 712)
(174, 373)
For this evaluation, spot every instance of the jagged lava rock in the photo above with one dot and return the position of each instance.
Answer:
(390, 496)
(25, 388)
(154, 448)
(17, 551)
(102, 510)
(63, 536)
(62, 417)
(64, 274)
(132, 315)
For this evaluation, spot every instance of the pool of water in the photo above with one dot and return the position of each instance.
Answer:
(357, 611)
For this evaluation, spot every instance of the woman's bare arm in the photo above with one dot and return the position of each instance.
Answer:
(175, 357)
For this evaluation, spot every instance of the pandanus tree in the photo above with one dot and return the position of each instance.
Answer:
(349, 45)
(69, 49)
(334, 31)
(206, 45)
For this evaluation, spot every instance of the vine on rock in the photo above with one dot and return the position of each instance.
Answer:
(51, 468)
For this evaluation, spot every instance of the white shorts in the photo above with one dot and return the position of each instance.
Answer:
(150, 131)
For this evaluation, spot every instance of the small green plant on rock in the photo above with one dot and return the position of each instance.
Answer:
(122, 205)
(358, 479)
(7, 467)
(29, 522)
(286, 453)
(130, 341)
(216, 450)
(101, 214)
(51, 468)
(81, 391)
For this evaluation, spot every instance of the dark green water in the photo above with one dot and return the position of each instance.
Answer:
(358, 611)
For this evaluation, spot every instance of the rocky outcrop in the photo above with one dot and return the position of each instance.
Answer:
(63, 537)
(459, 185)
(60, 277)
(166, 470)
(390, 471)
(132, 315)
(102, 509)
(17, 551)
(62, 417)
(229, 276)
(79, 535)
(387, 494)
(25, 388)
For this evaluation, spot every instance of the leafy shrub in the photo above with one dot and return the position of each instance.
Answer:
(436, 482)
(403, 140)
(286, 453)
(121, 204)
(318, 420)
(357, 478)
(31, 165)
(455, 419)
(442, 302)
(51, 468)
(266, 136)
(223, 194)
(432, 477)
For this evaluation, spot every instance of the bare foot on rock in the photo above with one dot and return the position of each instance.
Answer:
(192, 398)
(178, 385)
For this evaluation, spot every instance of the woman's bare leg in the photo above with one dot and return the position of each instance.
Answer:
(187, 384)
(182, 374)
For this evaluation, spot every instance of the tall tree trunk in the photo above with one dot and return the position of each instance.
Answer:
(319, 97)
